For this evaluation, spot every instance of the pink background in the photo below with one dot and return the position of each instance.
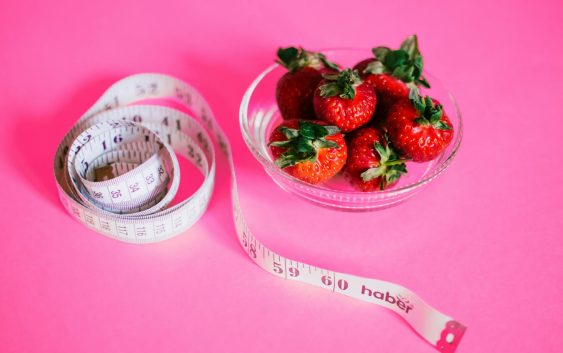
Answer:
(484, 243)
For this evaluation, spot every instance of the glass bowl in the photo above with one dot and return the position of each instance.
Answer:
(259, 115)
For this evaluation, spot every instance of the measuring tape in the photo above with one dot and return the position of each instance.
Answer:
(117, 173)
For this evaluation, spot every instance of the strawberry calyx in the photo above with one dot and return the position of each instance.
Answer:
(390, 167)
(296, 58)
(431, 113)
(342, 84)
(304, 143)
(405, 63)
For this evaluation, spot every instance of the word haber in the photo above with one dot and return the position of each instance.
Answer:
(386, 297)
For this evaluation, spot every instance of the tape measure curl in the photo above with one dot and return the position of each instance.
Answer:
(117, 173)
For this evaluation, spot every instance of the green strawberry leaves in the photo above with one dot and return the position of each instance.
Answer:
(406, 63)
(440, 125)
(289, 133)
(295, 58)
(287, 55)
(327, 63)
(410, 46)
(315, 131)
(390, 168)
(396, 59)
(303, 144)
(342, 84)
(431, 113)
(381, 53)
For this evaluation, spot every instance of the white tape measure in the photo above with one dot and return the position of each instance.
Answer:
(117, 172)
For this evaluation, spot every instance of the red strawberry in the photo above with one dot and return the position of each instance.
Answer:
(295, 89)
(344, 100)
(362, 66)
(308, 150)
(372, 163)
(392, 72)
(419, 128)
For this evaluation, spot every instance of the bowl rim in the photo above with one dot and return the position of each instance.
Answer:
(266, 162)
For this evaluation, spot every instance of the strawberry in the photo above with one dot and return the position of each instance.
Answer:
(295, 89)
(372, 163)
(308, 150)
(419, 128)
(392, 73)
(344, 100)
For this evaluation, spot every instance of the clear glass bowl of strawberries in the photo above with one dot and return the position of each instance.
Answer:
(351, 129)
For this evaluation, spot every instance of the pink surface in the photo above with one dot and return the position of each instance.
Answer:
(483, 244)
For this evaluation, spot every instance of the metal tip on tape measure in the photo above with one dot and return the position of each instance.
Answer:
(117, 172)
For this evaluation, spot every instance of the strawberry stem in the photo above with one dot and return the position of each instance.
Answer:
(405, 63)
(390, 167)
(431, 113)
(397, 162)
(304, 143)
(296, 58)
(342, 84)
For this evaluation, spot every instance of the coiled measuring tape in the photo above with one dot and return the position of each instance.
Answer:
(117, 173)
